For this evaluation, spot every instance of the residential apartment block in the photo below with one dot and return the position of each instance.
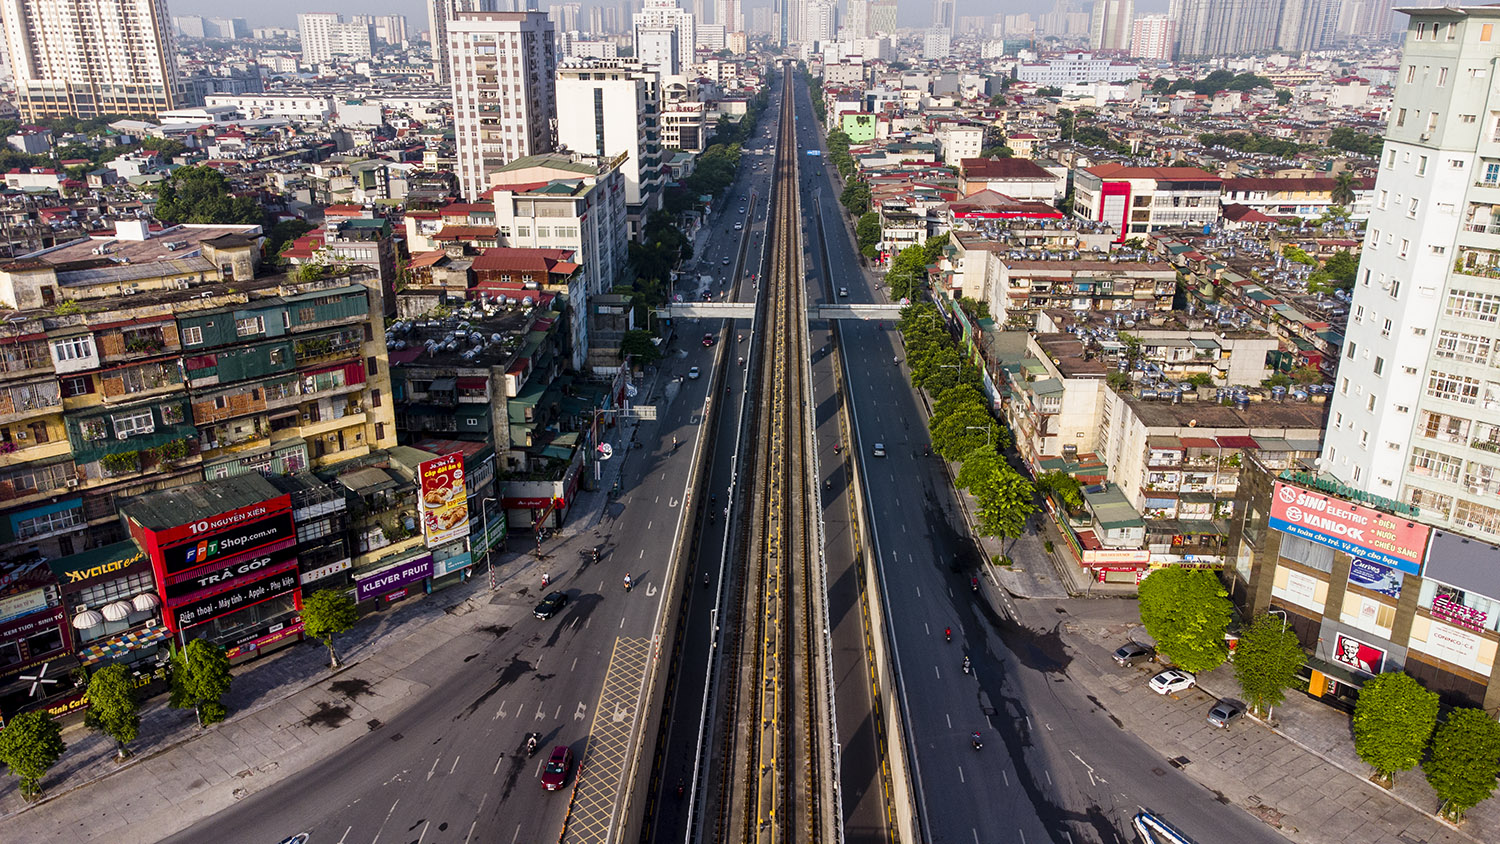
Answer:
(611, 108)
(1137, 200)
(87, 58)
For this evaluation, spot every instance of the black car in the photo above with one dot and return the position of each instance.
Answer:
(551, 605)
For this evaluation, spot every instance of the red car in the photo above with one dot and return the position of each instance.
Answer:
(555, 774)
(708, 340)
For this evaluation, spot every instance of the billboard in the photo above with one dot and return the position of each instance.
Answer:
(237, 598)
(1375, 577)
(444, 500)
(1358, 656)
(223, 521)
(241, 538)
(405, 574)
(182, 588)
(1355, 530)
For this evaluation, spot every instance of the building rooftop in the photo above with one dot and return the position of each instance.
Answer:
(1003, 168)
(1264, 416)
(174, 243)
(181, 505)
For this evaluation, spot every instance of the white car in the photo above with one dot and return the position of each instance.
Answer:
(693, 374)
(1172, 681)
(879, 450)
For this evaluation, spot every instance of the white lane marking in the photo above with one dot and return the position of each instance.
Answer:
(500, 713)
(648, 525)
(961, 774)
(949, 719)
(470, 836)
(517, 836)
(558, 713)
(424, 832)
(622, 624)
(434, 767)
(580, 712)
(541, 715)
(345, 836)
(1048, 776)
(919, 594)
(641, 555)
(387, 820)
(936, 672)
(455, 764)
(1028, 722)
(574, 666)
(498, 760)
(1005, 777)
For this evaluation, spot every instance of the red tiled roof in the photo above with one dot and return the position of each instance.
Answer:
(466, 208)
(466, 233)
(1238, 442)
(1245, 214)
(526, 260)
(426, 259)
(1125, 171)
(1002, 168)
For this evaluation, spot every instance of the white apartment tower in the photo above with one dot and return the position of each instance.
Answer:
(1416, 408)
(731, 13)
(1153, 37)
(438, 13)
(857, 19)
(503, 68)
(326, 35)
(659, 14)
(820, 21)
(610, 108)
(1109, 25)
(91, 57)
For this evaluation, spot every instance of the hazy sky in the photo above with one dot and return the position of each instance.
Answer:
(284, 12)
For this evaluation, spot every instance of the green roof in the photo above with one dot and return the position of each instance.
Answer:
(552, 160)
(1112, 509)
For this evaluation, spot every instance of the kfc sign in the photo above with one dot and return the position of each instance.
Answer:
(1355, 530)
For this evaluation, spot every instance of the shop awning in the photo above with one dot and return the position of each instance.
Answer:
(472, 382)
(1238, 442)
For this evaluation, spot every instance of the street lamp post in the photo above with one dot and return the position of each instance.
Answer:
(484, 511)
(1281, 613)
(988, 433)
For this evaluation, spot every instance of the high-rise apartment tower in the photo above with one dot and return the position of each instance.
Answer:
(503, 67)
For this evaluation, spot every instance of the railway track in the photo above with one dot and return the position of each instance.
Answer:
(775, 774)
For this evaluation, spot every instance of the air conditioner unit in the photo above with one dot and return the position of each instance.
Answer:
(122, 435)
(20, 435)
(72, 483)
(80, 608)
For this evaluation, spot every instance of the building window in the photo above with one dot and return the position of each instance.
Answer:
(1421, 171)
(1442, 77)
(1411, 207)
(1379, 365)
(1469, 348)
(192, 335)
(1459, 388)
(379, 430)
(73, 348)
(1435, 464)
(1486, 31)
(77, 386)
(249, 326)
(371, 367)
(1469, 304)
(49, 523)
(131, 424)
(1400, 121)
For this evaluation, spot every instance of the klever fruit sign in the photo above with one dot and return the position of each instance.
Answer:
(445, 501)
(1355, 530)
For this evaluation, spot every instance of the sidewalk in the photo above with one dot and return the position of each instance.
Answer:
(287, 710)
(1299, 773)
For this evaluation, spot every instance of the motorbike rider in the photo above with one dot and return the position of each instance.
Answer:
(531, 744)
(947, 634)
(627, 582)
(966, 665)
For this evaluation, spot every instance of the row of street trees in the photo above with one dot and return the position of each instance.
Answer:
(31, 742)
(907, 276)
(963, 429)
(1187, 612)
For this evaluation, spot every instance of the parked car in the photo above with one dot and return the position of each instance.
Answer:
(1132, 653)
(555, 774)
(1224, 713)
(1172, 681)
(551, 605)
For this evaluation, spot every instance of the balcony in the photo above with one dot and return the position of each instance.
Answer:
(323, 426)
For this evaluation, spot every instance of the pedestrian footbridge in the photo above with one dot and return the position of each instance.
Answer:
(746, 310)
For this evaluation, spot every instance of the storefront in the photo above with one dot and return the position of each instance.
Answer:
(225, 561)
(114, 608)
(375, 590)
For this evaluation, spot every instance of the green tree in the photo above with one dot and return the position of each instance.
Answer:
(1187, 611)
(979, 466)
(113, 709)
(1283, 96)
(907, 276)
(1005, 501)
(30, 745)
(640, 346)
(327, 613)
(856, 197)
(1049, 91)
(1200, 379)
(1063, 487)
(200, 677)
(282, 235)
(867, 230)
(965, 430)
(1392, 722)
(1266, 660)
(1343, 188)
(1464, 761)
(932, 249)
(201, 195)
(1353, 140)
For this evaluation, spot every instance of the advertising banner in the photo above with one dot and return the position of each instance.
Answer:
(452, 564)
(393, 578)
(223, 521)
(1355, 530)
(182, 588)
(1116, 557)
(1375, 577)
(241, 538)
(445, 502)
(15, 606)
(28, 626)
(237, 598)
(1358, 656)
(104, 563)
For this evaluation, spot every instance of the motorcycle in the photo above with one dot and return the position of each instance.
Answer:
(947, 634)
(531, 744)
(976, 740)
(973, 584)
(966, 665)
(627, 583)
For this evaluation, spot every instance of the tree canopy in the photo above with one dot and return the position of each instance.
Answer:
(325, 614)
(1187, 611)
(30, 745)
(113, 710)
(1464, 761)
(1392, 722)
(201, 195)
(1266, 660)
(200, 677)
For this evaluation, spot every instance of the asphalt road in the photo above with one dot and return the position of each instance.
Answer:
(1054, 767)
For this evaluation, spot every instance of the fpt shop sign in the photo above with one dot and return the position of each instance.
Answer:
(1357, 531)
(204, 528)
(236, 599)
(241, 539)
